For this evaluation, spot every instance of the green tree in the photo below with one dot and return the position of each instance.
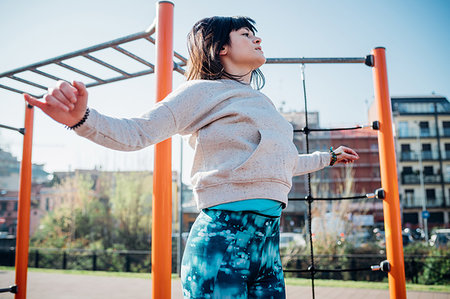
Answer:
(101, 211)
(131, 200)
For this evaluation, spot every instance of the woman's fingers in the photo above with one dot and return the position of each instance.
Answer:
(33, 101)
(67, 91)
(350, 151)
(58, 95)
(56, 103)
(345, 155)
(80, 88)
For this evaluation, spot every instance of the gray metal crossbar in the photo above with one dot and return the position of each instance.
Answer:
(86, 53)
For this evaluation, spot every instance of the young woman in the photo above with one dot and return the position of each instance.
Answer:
(243, 164)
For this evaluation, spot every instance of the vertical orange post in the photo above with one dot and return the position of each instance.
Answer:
(389, 181)
(162, 173)
(23, 219)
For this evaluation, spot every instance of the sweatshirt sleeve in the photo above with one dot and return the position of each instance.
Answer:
(178, 111)
(129, 134)
(311, 162)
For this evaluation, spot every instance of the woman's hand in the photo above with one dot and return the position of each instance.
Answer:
(65, 103)
(345, 155)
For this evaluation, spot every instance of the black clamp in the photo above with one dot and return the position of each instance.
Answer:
(369, 60)
(384, 266)
(306, 130)
(379, 194)
(376, 125)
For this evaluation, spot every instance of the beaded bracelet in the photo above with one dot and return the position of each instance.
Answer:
(333, 156)
(82, 121)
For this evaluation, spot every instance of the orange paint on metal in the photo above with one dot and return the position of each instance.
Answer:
(23, 219)
(389, 181)
(162, 173)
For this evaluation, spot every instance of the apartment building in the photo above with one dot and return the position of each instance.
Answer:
(422, 128)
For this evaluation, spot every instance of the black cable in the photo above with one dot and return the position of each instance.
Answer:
(327, 129)
(309, 197)
(327, 270)
(329, 198)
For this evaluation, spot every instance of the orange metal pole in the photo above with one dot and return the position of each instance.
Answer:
(23, 219)
(162, 173)
(389, 181)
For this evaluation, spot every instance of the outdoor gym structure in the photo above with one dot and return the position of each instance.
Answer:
(168, 61)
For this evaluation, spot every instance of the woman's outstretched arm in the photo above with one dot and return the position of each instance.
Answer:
(318, 160)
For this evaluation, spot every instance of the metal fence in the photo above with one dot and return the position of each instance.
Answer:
(140, 261)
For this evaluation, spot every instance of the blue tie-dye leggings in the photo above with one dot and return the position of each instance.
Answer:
(233, 255)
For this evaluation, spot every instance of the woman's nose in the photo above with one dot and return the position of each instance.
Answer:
(257, 40)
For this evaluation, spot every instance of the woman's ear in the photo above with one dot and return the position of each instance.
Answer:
(223, 51)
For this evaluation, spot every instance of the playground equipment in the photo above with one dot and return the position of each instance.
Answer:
(168, 61)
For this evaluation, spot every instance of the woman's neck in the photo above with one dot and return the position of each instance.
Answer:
(241, 76)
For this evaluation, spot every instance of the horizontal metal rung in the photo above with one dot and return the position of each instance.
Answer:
(151, 39)
(101, 62)
(17, 90)
(178, 68)
(179, 56)
(28, 82)
(46, 75)
(79, 71)
(138, 74)
(135, 57)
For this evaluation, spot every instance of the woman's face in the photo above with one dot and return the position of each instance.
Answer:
(244, 52)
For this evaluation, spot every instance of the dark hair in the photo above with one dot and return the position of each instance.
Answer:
(205, 41)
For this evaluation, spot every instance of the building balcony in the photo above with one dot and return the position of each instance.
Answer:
(426, 156)
(417, 202)
(408, 156)
(414, 179)
(411, 132)
(430, 155)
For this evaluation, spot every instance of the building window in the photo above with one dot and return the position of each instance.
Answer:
(47, 204)
(424, 129)
(412, 218)
(426, 151)
(428, 170)
(446, 126)
(15, 206)
(409, 197)
(406, 154)
(403, 129)
(431, 195)
(447, 151)
(407, 170)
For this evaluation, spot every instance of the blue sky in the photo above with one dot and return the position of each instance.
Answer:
(415, 34)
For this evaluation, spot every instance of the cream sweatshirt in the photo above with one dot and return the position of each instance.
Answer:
(243, 147)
